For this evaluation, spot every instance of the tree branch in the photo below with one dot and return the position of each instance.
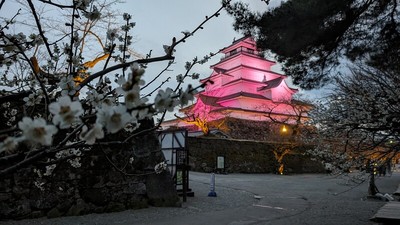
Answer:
(39, 26)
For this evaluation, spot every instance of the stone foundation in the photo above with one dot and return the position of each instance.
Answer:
(247, 156)
(97, 186)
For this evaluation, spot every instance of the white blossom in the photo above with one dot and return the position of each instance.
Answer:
(50, 169)
(82, 4)
(124, 85)
(179, 78)
(90, 136)
(76, 60)
(67, 85)
(37, 131)
(8, 145)
(95, 14)
(65, 112)
(132, 97)
(68, 152)
(112, 34)
(164, 100)
(40, 185)
(126, 16)
(166, 48)
(195, 76)
(113, 118)
(159, 168)
(94, 98)
(136, 69)
(75, 162)
(33, 99)
(142, 113)
(186, 95)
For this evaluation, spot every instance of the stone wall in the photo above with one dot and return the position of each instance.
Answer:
(244, 156)
(97, 186)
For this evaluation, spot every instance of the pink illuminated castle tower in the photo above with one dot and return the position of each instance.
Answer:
(243, 87)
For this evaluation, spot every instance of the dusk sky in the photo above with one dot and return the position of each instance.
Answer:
(158, 21)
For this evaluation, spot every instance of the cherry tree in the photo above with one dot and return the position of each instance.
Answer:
(358, 122)
(69, 88)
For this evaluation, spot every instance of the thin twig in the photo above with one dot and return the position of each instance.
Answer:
(155, 78)
(119, 66)
(123, 172)
(39, 26)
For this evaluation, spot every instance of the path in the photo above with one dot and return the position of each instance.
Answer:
(295, 199)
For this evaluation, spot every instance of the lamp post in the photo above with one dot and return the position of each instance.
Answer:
(279, 155)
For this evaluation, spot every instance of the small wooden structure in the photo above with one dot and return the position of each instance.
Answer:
(173, 146)
(389, 213)
(397, 192)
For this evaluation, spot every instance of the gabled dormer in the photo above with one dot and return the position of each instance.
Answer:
(277, 90)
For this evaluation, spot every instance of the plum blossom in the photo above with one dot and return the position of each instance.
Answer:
(8, 145)
(179, 78)
(33, 98)
(186, 95)
(37, 131)
(164, 100)
(94, 98)
(126, 16)
(65, 111)
(141, 113)
(131, 91)
(136, 69)
(68, 152)
(67, 85)
(132, 97)
(50, 169)
(195, 76)
(95, 14)
(113, 118)
(124, 85)
(112, 34)
(159, 168)
(90, 136)
(166, 49)
(75, 162)
(82, 4)
(133, 79)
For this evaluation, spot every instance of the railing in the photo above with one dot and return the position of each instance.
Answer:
(239, 50)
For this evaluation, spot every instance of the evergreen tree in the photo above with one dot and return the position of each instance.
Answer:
(312, 37)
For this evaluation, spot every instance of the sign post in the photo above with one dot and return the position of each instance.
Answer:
(220, 164)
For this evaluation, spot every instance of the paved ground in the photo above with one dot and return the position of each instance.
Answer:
(295, 199)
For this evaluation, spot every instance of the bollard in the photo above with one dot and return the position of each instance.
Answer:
(212, 187)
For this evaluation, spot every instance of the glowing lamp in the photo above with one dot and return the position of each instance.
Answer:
(284, 129)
